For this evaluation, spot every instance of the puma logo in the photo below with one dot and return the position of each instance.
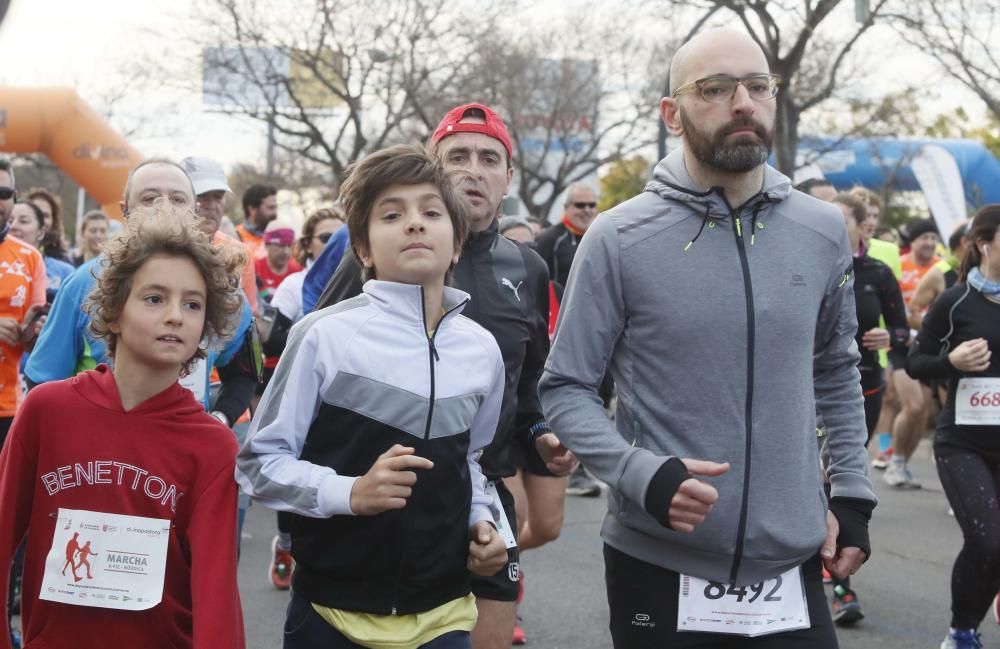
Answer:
(509, 284)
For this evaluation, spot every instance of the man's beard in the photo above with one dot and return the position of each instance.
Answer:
(740, 156)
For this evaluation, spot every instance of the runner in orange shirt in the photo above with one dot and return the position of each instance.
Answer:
(260, 207)
(914, 397)
(22, 295)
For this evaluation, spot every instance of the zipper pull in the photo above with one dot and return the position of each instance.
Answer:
(434, 350)
(739, 227)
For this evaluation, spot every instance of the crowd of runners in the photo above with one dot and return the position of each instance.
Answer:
(416, 384)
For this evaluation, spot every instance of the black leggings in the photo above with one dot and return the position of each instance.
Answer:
(971, 482)
(641, 591)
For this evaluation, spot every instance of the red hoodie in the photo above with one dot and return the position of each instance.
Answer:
(167, 438)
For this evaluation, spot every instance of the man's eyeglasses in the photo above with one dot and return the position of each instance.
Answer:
(6, 193)
(324, 237)
(721, 88)
(584, 206)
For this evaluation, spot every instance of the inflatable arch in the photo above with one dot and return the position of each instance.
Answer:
(58, 123)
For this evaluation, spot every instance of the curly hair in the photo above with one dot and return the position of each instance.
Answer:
(301, 250)
(169, 230)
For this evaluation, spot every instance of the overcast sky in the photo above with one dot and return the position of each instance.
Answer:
(82, 43)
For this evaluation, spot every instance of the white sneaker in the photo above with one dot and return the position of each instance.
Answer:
(898, 475)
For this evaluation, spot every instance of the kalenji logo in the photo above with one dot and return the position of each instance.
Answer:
(100, 152)
(642, 620)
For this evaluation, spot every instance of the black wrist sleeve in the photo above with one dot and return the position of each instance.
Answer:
(853, 515)
(665, 483)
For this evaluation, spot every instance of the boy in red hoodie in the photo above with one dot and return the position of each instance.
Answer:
(120, 474)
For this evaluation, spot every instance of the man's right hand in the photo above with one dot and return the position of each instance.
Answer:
(388, 483)
(694, 498)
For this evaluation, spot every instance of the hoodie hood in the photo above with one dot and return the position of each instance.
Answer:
(99, 387)
(672, 182)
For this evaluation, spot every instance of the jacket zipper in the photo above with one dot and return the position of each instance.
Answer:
(748, 408)
(432, 357)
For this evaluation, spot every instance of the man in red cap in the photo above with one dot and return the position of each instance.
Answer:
(508, 283)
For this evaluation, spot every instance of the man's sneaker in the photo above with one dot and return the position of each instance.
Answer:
(962, 639)
(882, 459)
(845, 607)
(280, 570)
(581, 484)
(898, 475)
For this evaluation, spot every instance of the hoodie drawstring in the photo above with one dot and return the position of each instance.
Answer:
(704, 220)
(753, 218)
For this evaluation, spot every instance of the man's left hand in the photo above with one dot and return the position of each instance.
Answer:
(839, 562)
(558, 459)
(487, 551)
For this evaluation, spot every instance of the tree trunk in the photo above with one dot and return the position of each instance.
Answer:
(786, 134)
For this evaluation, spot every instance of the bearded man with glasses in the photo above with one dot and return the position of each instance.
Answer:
(722, 302)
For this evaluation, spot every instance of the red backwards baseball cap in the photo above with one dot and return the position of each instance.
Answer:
(494, 126)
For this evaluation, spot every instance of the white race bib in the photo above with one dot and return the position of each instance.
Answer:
(197, 380)
(500, 516)
(772, 606)
(106, 560)
(977, 402)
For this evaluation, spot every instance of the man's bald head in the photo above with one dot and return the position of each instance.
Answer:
(695, 58)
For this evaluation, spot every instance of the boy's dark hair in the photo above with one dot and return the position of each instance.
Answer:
(162, 229)
(403, 164)
(254, 196)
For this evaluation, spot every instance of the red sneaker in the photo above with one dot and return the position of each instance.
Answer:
(518, 635)
(282, 564)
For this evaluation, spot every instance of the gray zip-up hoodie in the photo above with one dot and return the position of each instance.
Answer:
(726, 331)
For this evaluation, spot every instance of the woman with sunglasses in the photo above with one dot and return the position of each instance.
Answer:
(286, 309)
(316, 231)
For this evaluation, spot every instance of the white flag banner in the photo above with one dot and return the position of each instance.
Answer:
(937, 173)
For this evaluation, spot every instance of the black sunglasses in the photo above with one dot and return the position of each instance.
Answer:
(6, 192)
(323, 238)
(584, 206)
